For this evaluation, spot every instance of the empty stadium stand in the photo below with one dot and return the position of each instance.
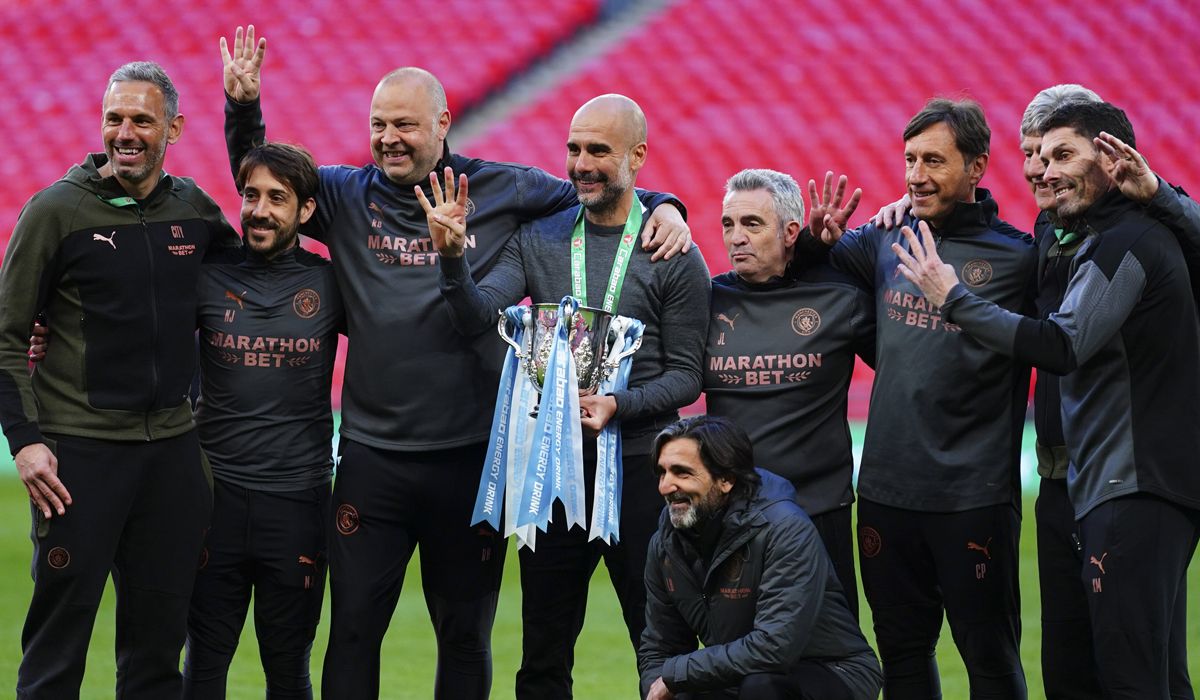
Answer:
(799, 86)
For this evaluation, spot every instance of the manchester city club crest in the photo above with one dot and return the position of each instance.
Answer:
(977, 273)
(806, 321)
(306, 303)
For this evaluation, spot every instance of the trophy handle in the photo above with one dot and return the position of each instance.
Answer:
(616, 357)
(518, 316)
(619, 327)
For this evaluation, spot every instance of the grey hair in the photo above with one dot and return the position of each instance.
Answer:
(149, 72)
(785, 193)
(1047, 101)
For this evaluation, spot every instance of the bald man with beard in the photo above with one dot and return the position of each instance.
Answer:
(417, 398)
(606, 147)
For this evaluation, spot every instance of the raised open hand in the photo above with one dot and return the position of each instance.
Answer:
(447, 216)
(827, 216)
(1132, 173)
(922, 265)
(243, 68)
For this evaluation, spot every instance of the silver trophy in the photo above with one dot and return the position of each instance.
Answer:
(593, 346)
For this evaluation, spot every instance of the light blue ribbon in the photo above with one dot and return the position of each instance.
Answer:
(606, 502)
(521, 431)
(489, 498)
(551, 433)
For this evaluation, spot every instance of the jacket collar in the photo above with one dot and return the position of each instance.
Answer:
(285, 257)
(108, 187)
(969, 218)
(1106, 211)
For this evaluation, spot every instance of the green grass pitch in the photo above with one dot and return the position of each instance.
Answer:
(604, 666)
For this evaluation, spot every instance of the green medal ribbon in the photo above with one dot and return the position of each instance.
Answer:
(616, 279)
(1065, 237)
(119, 201)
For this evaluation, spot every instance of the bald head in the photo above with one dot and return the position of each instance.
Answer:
(606, 147)
(410, 77)
(409, 121)
(622, 117)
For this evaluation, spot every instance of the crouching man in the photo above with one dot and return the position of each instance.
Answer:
(738, 566)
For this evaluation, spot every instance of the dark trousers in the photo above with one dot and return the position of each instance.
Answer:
(1137, 550)
(838, 535)
(807, 680)
(271, 544)
(554, 580)
(139, 512)
(1068, 660)
(917, 565)
(386, 504)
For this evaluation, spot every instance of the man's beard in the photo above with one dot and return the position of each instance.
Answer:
(284, 238)
(699, 511)
(609, 196)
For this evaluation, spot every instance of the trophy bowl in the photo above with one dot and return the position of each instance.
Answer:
(596, 338)
(587, 336)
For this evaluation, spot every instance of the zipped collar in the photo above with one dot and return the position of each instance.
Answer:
(968, 218)
(733, 279)
(1106, 211)
(108, 188)
(743, 517)
(285, 258)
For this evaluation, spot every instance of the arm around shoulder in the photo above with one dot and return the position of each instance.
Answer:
(683, 331)
(26, 278)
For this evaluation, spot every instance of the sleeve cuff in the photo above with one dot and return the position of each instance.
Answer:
(674, 673)
(23, 435)
(454, 270)
(230, 102)
(622, 399)
(957, 293)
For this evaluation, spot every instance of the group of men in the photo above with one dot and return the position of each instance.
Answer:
(126, 262)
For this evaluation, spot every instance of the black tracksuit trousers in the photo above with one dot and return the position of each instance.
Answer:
(271, 544)
(555, 578)
(386, 504)
(917, 565)
(139, 511)
(1136, 550)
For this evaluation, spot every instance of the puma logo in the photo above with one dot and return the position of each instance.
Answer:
(1099, 562)
(107, 239)
(971, 546)
(236, 298)
(726, 319)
